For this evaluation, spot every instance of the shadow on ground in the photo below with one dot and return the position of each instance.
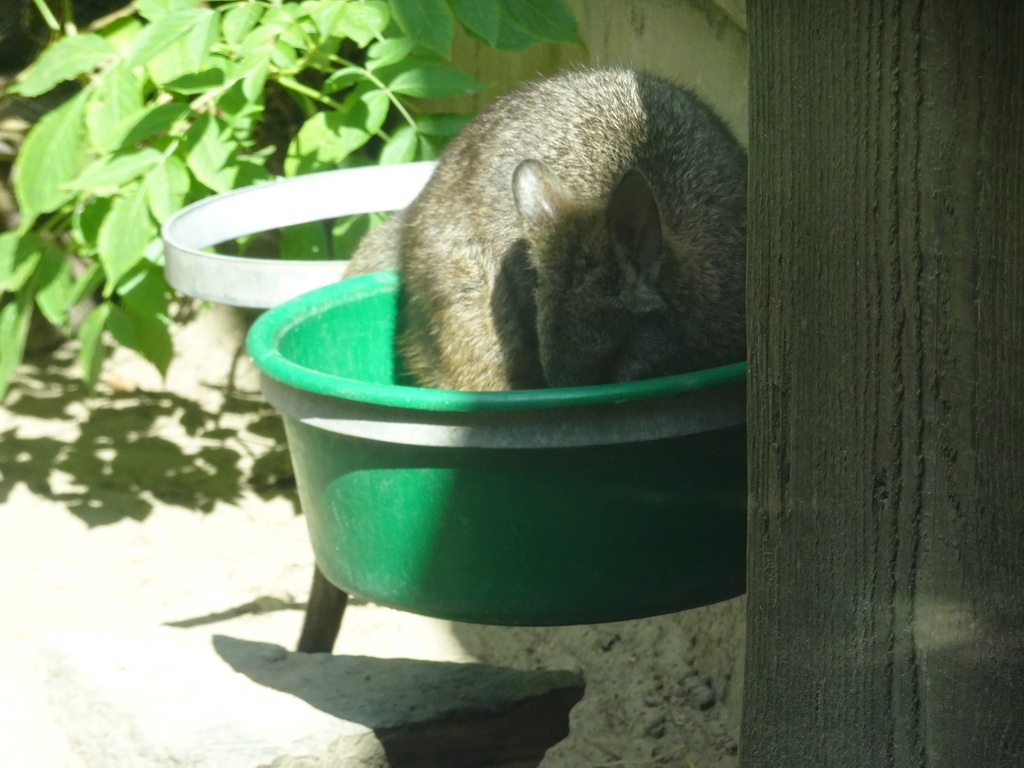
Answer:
(424, 713)
(110, 455)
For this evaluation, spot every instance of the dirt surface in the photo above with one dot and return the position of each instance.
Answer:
(154, 502)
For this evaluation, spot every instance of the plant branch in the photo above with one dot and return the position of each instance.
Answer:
(310, 93)
(104, 21)
(47, 14)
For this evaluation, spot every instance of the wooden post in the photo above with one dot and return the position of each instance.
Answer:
(886, 327)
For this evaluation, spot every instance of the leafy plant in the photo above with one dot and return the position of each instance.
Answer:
(180, 99)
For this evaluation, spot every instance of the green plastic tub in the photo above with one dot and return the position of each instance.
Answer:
(560, 506)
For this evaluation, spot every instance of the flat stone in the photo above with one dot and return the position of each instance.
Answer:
(183, 698)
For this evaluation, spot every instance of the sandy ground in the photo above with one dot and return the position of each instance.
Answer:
(154, 502)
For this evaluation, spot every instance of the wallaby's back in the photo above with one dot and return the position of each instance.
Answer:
(488, 287)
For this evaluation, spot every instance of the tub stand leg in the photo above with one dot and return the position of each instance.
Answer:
(323, 616)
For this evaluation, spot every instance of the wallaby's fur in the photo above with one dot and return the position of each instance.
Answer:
(586, 228)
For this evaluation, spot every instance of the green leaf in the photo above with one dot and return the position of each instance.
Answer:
(429, 22)
(365, 21)
(343, 78)
(210, 147)
(117, 96)
(305, 241)
(289, 17)
(198, 82)
(239, 21)
(328, 138)
(8, 253)
(124, 234)
(90, 334)
(167, 188)
(367, 108)
(15, 319)
(186, 54)
(482, 17)
(247, 172)
(240, 113)
(295, 29)
(284, 55)
(443, 124)
(55, 292)
(145, 291)
(141, 320)
(108, 173)
(429, 148)
(201, 40)
(121, 328)
(50, 157)
(327, 15)
(87, 283)
(550, 20)
(152, 120)
(432, 82)
(162, 32)
(322, 142)
(348, 231)
(66, 59)
(19, 259)
(86, 221)
(261, 40)
(253, 71)
(388, 52)
(512, 37)
(155, 9)
(401, 147)
(121, 33)
(146, 334)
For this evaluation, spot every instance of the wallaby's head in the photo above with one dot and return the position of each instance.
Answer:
(600, 315)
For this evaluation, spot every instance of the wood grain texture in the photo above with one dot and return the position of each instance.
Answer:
(886, 410)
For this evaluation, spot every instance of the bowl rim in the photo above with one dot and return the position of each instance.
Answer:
(263, 346)
(244, 281)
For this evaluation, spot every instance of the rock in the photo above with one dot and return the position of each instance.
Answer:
(183, 698)
(700, 692)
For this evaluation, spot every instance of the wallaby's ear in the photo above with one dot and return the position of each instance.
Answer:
(635, 224)
(538, 193)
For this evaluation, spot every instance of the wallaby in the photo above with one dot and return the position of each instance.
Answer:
(587, 228)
